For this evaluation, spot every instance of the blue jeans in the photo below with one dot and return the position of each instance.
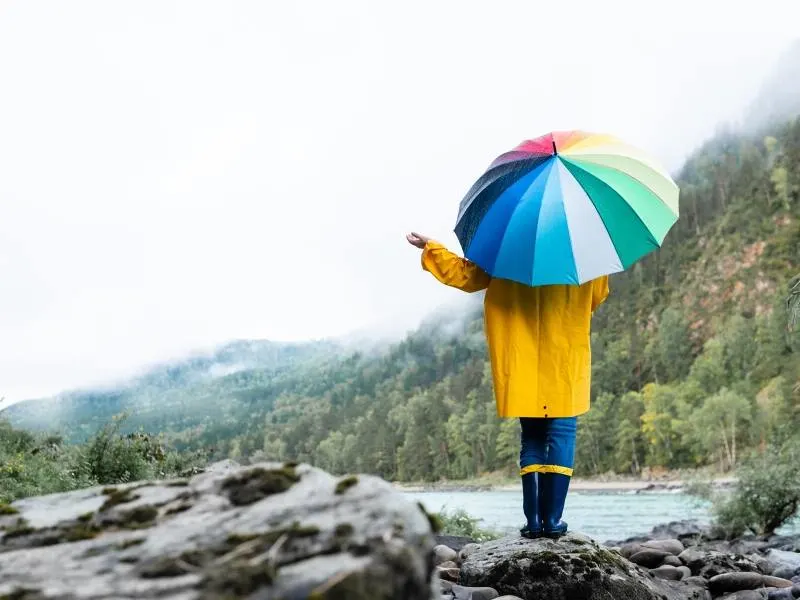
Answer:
(548, 445)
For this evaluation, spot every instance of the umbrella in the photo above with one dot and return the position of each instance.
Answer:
(566, 208)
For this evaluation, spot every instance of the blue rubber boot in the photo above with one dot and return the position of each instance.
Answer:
(530, 506)
(553, 489)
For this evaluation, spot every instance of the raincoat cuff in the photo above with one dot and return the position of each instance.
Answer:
(430, 246)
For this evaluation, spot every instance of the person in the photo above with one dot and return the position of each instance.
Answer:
(538, 340)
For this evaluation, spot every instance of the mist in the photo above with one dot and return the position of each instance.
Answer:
(177, 174)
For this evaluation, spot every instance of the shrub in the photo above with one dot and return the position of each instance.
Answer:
(460, 522)
(767, 495)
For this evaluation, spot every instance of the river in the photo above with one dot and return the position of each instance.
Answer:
(601, 515)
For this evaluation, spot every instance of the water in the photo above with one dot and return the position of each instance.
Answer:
(601, 515)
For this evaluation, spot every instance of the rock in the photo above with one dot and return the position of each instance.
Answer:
(776, 582)
(746, 595)
(448, 565)
(628, 550)
(571, 567)
(266, 531)
(474, 593)
(649, 558)
(796, 590)
(783, 572)
(467, 550)
(716, 563)
(686, 572)
(734, 582)
(696, 580)
(509, 598)
(674, 547)
(780, 594)
(443, 554)
(692, 558)
(456, 542)
(667, 572)
(787, 561)
(672, 561)
(448, 574)
(678, 530)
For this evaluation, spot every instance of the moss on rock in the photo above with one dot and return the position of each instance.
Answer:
(256, 484)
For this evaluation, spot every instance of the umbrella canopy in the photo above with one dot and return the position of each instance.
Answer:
(566, 208)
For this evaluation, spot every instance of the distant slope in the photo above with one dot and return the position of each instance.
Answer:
(182, 393)
(779, 97)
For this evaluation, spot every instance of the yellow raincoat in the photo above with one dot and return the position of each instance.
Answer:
(538, 336)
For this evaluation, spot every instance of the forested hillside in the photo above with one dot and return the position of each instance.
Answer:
(693, 361)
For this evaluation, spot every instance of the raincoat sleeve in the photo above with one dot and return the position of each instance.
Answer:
(453, 270)
(599, 291)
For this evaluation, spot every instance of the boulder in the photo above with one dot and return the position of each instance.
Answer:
(693, 558)
(674, 547)
(787, 562)
(268, 531)
(679, 530)
(649, 558)
(734, 582)
(571, 567)
(672, 561)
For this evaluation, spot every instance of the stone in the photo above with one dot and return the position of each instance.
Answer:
(448, 565)
(746, 595)
(268, 530)
(780, 594)
(674, 547)
(776, 582)
(786, 561)
(456, 542)
(628, 550)
(685, 572)
(467, 550)
(693, 558)
(783, 572)
(716, 563)
(734, 582)
(573, 566)
(667, 572)
(444, 554)
(448, 574)
(649, 558)
(509, 598)
(672, 561)
(474, 593)
(679, 530)
(696, 580)
(796, 590)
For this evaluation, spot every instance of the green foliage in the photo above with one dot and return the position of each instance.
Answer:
(32, 465)
(460, 522)
(767, 494)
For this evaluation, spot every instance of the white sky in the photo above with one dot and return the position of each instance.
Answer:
(176, 174)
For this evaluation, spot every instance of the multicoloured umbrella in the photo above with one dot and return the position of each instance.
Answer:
(566, 207)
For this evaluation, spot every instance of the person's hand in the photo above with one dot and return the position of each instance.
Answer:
(417, 240)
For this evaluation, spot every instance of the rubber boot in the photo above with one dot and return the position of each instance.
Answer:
(553, 489)
(530, 506)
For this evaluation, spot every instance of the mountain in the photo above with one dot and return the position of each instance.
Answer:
(181, 393)
(779, 97)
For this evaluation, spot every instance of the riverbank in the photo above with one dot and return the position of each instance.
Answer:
(670, 482)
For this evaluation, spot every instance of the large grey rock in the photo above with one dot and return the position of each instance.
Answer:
(264, 531)
(571, 567)
(789, 562)
(649, 558)
(733, 582)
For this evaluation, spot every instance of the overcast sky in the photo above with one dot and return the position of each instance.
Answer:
(177, 174)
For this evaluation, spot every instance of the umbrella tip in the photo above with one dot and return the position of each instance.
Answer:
(554, 147)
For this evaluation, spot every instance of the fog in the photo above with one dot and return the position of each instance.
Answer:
(177, 174)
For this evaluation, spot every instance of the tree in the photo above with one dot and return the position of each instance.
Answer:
(721, 424)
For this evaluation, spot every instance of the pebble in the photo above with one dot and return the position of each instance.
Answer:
(686, 572)
(784, 594)
(776, 582)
